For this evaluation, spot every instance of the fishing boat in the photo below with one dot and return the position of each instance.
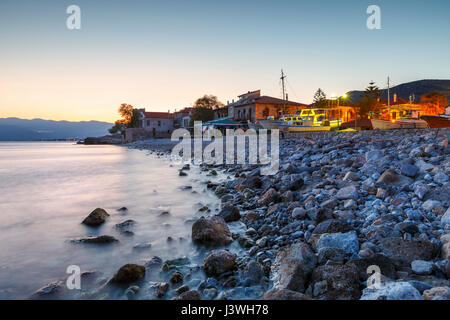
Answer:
(440, 121)
(310, 119)
(398, 124)
(270, 123)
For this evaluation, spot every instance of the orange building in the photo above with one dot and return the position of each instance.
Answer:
(252, 106)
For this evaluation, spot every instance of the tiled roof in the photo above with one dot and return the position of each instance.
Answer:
(267, 100)
(158, 115)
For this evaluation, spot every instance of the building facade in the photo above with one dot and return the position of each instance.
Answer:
(252, 106)
(158, 124)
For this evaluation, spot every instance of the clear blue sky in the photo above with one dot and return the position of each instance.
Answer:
(164, 54)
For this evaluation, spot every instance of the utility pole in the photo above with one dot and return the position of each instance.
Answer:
(283, 76)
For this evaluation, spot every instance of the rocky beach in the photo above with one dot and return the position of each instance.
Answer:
(350, 215)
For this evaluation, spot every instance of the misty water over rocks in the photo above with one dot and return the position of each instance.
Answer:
(341, 203)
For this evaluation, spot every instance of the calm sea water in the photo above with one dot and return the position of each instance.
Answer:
(46, 190)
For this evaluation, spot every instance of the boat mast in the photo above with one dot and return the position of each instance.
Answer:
(389, 100)
(283, 76)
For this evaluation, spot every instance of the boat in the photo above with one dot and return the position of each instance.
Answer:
(440, 121)
(255, 126)
(309, 120)
(270, 123)
(398, 124)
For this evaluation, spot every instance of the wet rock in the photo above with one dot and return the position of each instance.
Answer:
(438, 293)
(190, 295)
(349, 192)
(211, 232)
(336, 282)
(162, 288)
(245, 241)
(104, 239)
(422, 267)
(96, 217)
(141, 246)
(125, 224)
(345, 241)
(270, 196)
(252, 273)
(50, 290)
(129, 273)
(182, 173)
(182, 289)
(403, 252)
(230, 213)
(392, 291)
(218, 262)
(176, 277)
(284, 294)
(293, 266)
(210, 293)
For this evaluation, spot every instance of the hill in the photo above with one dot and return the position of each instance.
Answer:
(418, 88)
(15, 129)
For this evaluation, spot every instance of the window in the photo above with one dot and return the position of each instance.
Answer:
(148, 123)
(159, 123)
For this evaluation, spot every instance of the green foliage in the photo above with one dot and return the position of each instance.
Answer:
(204, 109)
(370, 102)
(320, 99)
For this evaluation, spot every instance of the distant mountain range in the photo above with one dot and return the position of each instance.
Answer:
(15, 129)
(418, 88)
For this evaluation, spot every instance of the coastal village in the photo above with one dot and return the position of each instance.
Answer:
(349, 215)
(254, 110)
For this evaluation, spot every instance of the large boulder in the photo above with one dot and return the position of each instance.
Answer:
(229, 213)
(218, 262)
(96, 217)
(346, 241)
(336, 282)
(212, 232)
(129, 273)
(392, 291)
(284, 294)
(293, 266)
(403, 252)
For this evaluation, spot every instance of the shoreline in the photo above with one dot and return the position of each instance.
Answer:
(340, 203)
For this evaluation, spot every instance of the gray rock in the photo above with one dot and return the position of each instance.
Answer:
(252, 273)
(345, 241)
(293, 266)
(392, 291)
(422, 267)
(409, 170)
(349, 192)
(445, 219)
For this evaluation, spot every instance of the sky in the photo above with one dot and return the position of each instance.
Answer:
(163, 55)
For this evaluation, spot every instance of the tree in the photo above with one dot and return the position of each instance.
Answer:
(320, 99)
(370, 102)
(434, 103)
(203, 108)
(130, 119)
